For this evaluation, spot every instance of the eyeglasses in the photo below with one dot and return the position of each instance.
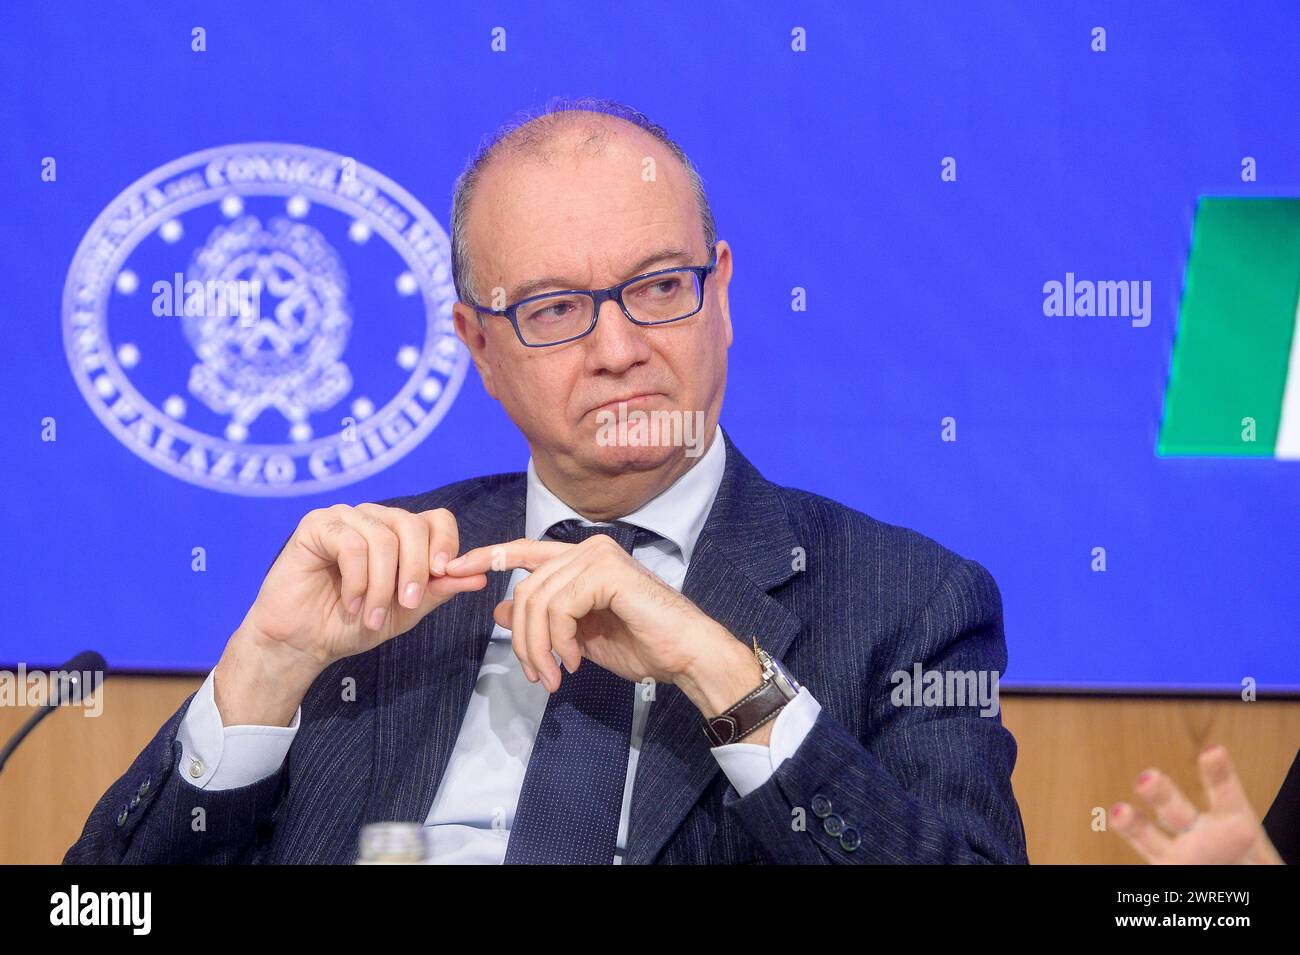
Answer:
(655, 298)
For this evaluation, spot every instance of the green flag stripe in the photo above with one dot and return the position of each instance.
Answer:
(1235, 325)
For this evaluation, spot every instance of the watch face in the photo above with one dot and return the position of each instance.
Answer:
(784, 674)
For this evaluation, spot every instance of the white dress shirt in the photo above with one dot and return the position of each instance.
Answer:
(473, 811)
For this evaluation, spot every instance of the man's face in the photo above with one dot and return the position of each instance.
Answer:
(592, 221)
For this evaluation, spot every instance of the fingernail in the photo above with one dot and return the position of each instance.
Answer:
(1143, 776)
(456, 564)
(354, 606)
(1116, 809)
(1209, 749)
(411, 596)
(440, 563)
(377, 617)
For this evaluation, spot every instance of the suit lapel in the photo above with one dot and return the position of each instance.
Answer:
(425, 676)
(745, 550)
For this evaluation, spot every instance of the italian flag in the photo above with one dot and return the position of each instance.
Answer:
(1234, 382)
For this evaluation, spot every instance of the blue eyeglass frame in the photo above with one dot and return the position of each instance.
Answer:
(599, 297)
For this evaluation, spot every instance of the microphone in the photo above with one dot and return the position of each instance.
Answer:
(87, 662)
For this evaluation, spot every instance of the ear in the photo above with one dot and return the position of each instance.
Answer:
(721, 279)
(470, 330)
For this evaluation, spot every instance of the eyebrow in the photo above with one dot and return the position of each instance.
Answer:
(534, 286)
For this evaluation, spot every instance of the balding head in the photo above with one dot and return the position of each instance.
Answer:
(563, 129)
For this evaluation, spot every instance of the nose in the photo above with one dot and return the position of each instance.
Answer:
(616, 344)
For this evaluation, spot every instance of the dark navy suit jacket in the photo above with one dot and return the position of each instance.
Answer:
(867, 599)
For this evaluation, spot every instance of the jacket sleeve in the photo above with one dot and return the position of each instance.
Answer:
(152, 815)
(1282, 821)
(924, 784)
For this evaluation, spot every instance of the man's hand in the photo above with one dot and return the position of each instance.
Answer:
(348, 579)
(594, 600)
(1229, 833)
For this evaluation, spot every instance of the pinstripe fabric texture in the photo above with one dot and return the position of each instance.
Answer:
(844, 601)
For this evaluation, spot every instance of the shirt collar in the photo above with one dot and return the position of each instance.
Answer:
(677, 513)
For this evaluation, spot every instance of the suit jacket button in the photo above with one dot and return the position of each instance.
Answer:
(821, 807)
(121, 817)
(850, 840)
(833, 825)
(144, 786)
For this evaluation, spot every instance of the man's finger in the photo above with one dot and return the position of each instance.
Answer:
(444, 539)
(328, 536)
(412, 551)
(382, 559)
(529, 638)
(442, 587)
(555, 579)
(519, 635)
(502, 611)
(525, 553)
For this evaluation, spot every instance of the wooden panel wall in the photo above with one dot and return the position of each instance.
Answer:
(1075, 753)
(1078, 753)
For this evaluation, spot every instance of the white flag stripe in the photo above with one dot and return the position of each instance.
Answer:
(1288, 428)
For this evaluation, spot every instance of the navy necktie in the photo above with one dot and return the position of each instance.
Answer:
(572, 797)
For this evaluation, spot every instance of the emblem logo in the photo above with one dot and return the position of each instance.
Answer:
(265, 319)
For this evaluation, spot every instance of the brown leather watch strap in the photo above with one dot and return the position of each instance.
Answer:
(755, 709)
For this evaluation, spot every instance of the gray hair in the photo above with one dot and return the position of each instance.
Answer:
(530, 134)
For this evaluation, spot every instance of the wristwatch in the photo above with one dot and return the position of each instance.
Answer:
(758, 706)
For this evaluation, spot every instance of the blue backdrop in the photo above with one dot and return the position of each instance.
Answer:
(924, 297)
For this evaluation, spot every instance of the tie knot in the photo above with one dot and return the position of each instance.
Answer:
(627, 536)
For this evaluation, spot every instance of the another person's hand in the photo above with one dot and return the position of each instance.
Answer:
(1228, 833)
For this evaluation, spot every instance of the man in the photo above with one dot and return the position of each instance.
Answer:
(680, 591)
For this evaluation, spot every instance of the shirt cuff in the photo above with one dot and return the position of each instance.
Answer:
(749, 765)
(214, 756)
